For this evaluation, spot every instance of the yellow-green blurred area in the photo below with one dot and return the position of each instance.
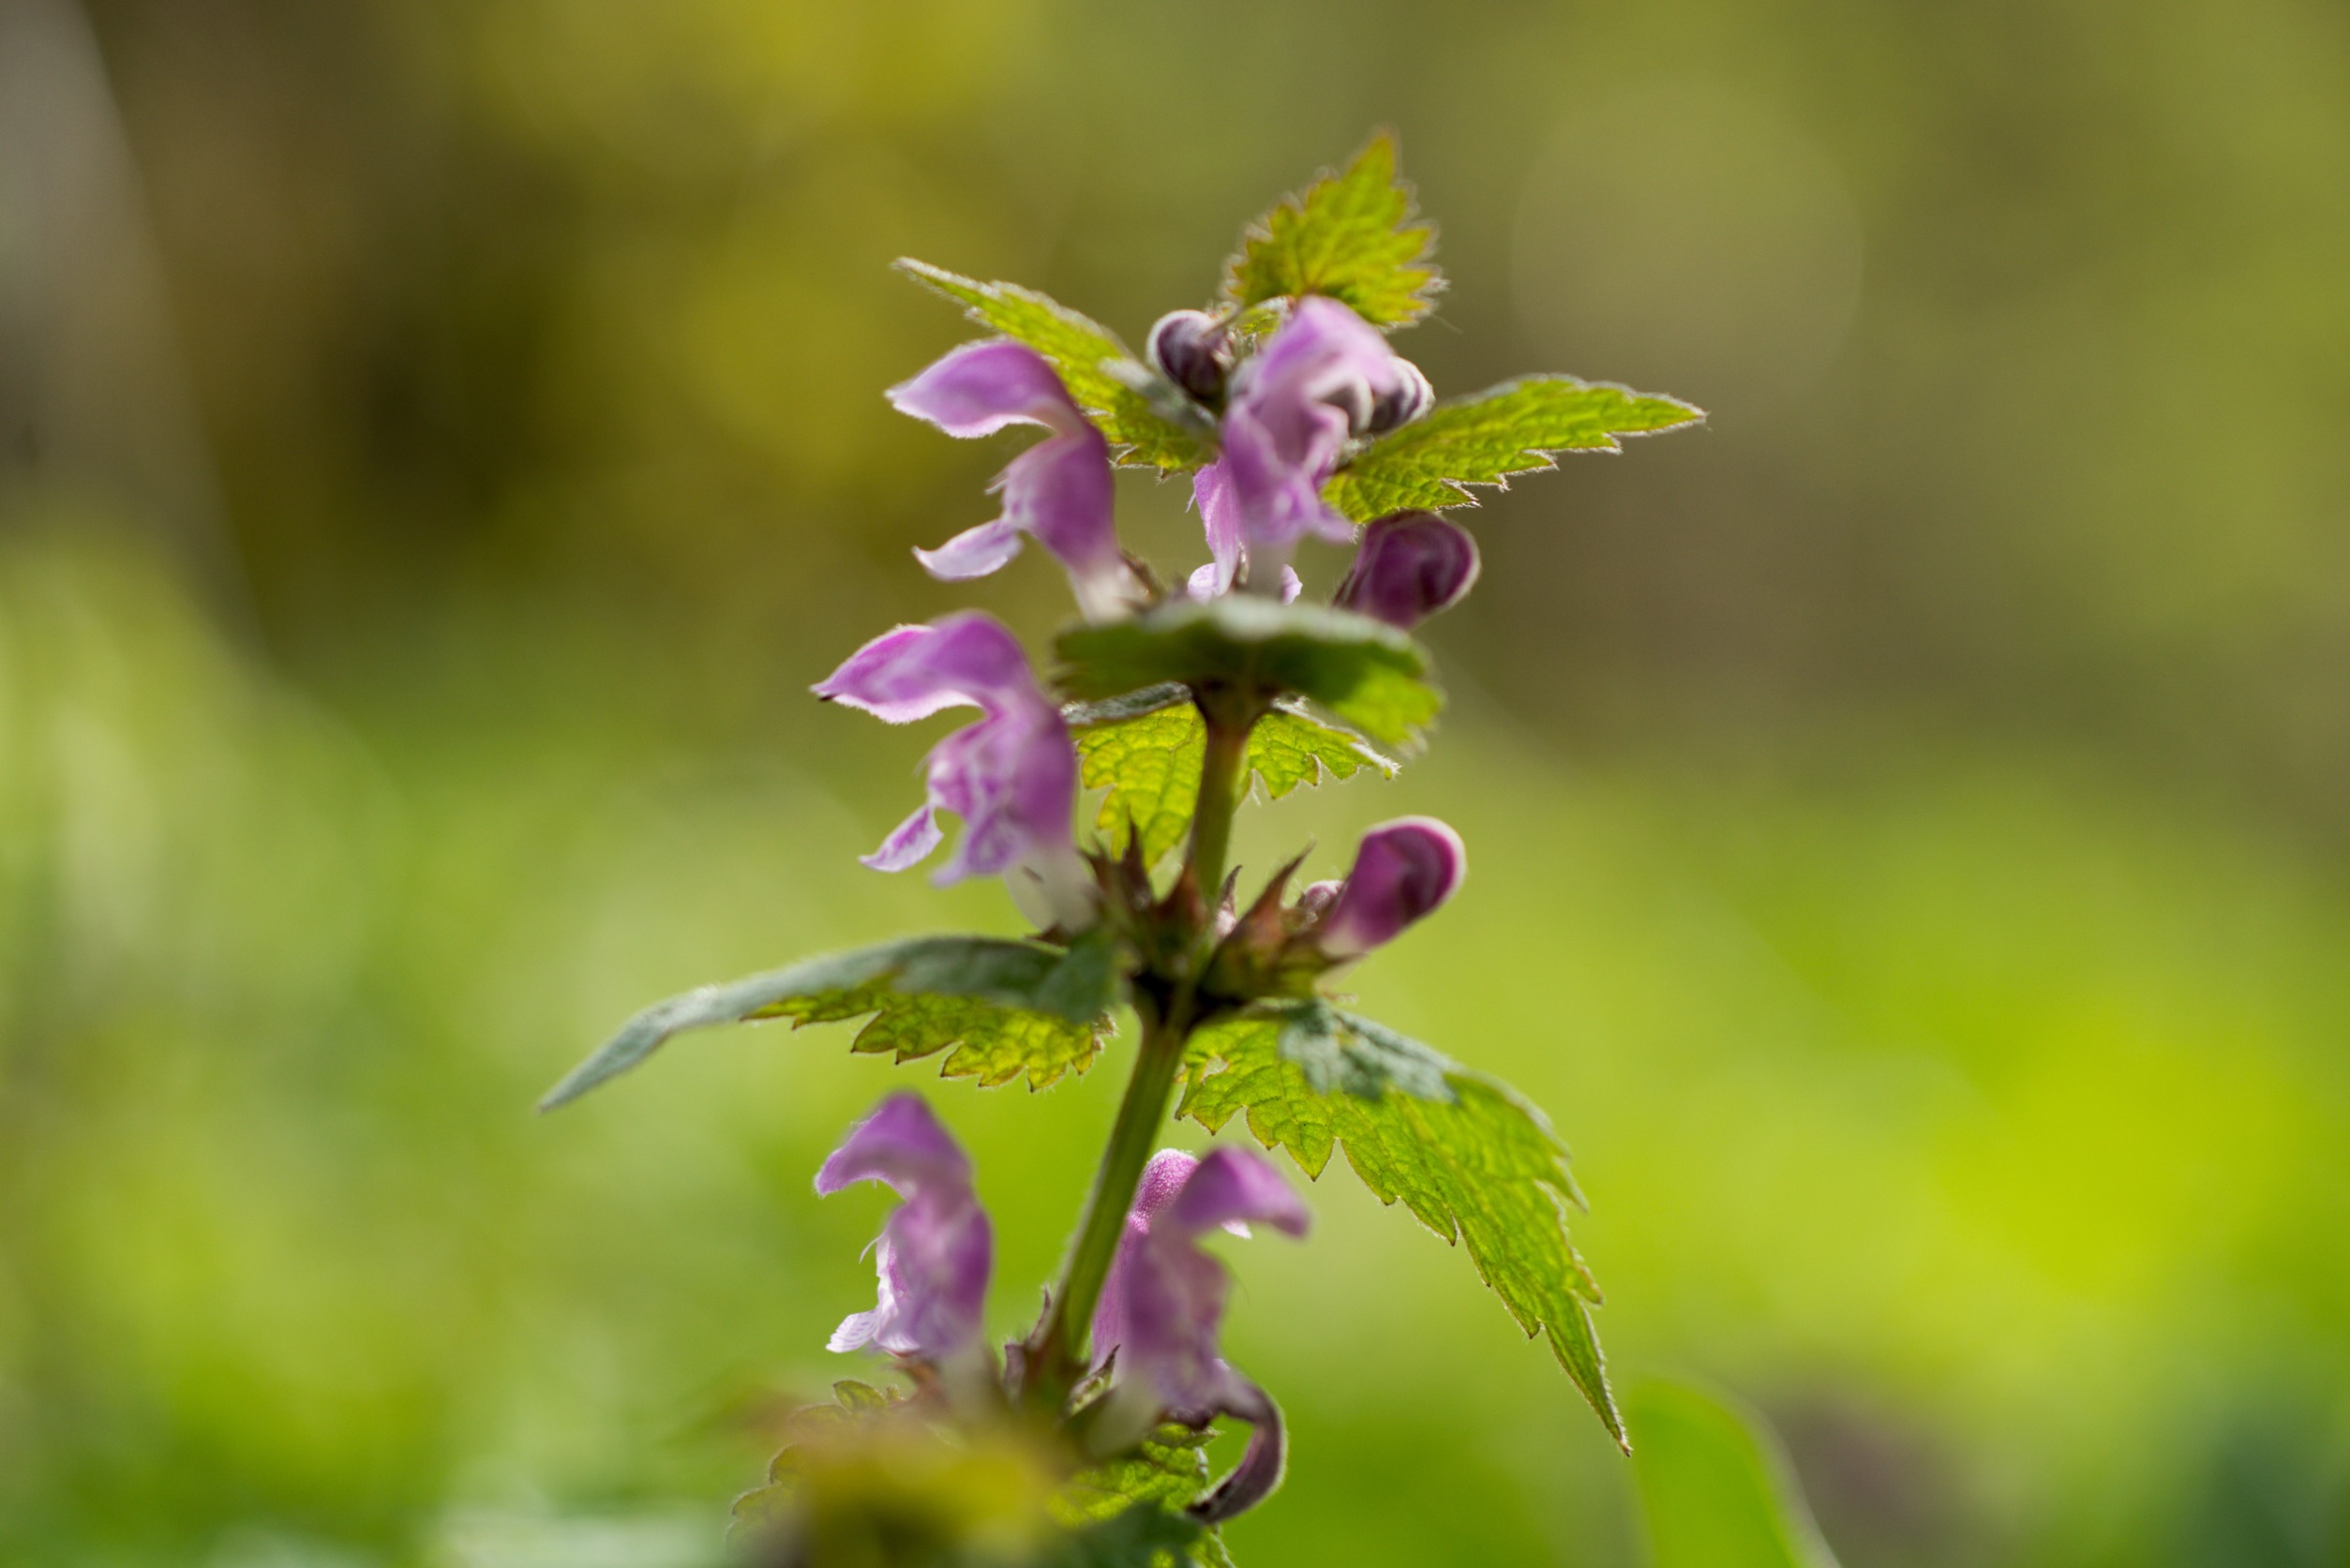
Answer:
(1910, 840)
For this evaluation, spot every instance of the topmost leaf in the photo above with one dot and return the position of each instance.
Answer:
(1352, 236)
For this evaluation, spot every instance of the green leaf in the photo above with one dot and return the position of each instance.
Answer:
(1148, 758)
(1466, 1154)
(1716, 1490)
(1130, 1510)
(1142, 1537)
(1487, 436)
(1147, 421)
(1006, 1008)
(1350, 236)
(765, 1507)
(1291, 747)
(1362, 671)
(1147, 749)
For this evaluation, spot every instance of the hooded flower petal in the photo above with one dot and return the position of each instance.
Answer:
(935, 1252)
(911, 672)
(1059, 491)
(1403, 871)
(1164, 1301)
(1319, 380)
(1011, 777)
(1409, 566)
(980, 388)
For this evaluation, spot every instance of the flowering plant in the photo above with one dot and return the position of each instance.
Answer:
(1083, 1440)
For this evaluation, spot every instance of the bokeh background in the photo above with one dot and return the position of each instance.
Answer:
(440, 440)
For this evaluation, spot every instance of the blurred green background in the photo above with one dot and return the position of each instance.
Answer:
(440, 441)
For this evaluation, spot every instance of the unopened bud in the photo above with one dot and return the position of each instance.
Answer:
(1400, 404)
(1409, 566)
(1191, 349)
(1403, 871)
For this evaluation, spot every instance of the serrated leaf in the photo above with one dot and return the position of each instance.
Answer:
(1363, 672)
(1128, 1511)
(1291, 747)
(1144, 417)
(1350, 236)
(1485, 438)
(1470, 1157)
(1150, 765)
(1005, 1007)
(1147, 751)
(1168, 1470)
(1142, 1537)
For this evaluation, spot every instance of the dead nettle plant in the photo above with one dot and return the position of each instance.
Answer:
(1293, 417)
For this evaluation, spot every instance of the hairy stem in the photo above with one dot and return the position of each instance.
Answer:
(1057, 1353)
(1057, 1357)
(1220, 773)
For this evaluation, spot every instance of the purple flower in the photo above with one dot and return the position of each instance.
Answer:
(1011, 776)
(1164, 1301)
(1410, 565)
(1322, 377)
(1058, 490)
(1404, 870)
(935, 1252)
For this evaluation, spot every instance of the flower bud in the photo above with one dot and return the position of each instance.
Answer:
(1404, 870)
(1410, 565)
(1191, 348)
(1406, 399)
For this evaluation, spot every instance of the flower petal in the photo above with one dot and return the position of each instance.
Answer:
(937, 1250)
(980, 388)
(1262, 1464)
(1403, 871)
(1061, 491)
(909, 844)
(1409, 566)
(973, 553)
(901, 1144)
(911, 672)
(1220, 517)
(1236, 1185)
(1163, 1301)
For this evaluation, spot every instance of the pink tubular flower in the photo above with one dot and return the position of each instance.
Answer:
(1409, 566)
(935, 1252)
(1324, 376)
(1164, 1302)
(1058, 490)
(1011, 776)
(1404, 870)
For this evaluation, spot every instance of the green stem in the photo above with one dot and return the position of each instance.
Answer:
(1220, 771)
(1057, 1353)
(1057, 1357)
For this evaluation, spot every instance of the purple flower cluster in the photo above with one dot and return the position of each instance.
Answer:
(1324, 377)
(1286, 416)
(1154, 1332)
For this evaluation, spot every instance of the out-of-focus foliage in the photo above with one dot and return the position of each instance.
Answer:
(1919, 799)
(1715, 1492)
